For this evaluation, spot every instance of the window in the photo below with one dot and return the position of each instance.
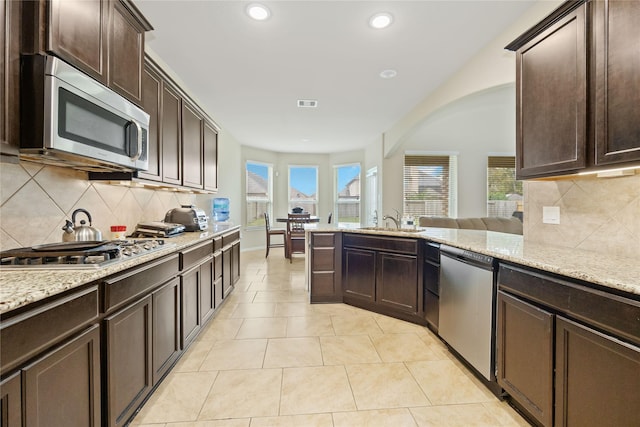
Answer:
(504, 192)
(347, 195)
(303, 188)
(430, 185)
(259, 189)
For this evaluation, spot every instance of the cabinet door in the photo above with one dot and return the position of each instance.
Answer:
(129, 360)
(63, 387)
(397, 282)
(126, 51)
(235, 263)
(207, 293)
(227, 272)
(171, 137)
(597, 378)
(359, 274)
(431, 291)
(218, 289)
(617, 81)
(166, 328)
(151, 98)
(210, 161)
(76, 34)
(190, 289)
(10, 16)
(551, 99)
(11, 402)
(525, 356)
(191, 147)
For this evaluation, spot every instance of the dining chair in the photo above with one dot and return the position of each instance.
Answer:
(295, 234)
(274, 232)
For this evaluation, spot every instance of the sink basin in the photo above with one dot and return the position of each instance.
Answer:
(404, 230)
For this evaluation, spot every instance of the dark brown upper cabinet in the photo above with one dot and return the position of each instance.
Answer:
(103, 38)
(192, 155)
(210, 160)
(616, 85)
(578, 90)
(152, 105)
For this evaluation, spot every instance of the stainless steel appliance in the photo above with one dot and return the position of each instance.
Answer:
(158, 229)
(79, 255)
(70, 119)
(467, 306)
(192, 218)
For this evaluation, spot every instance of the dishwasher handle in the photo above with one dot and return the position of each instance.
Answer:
(472, 258)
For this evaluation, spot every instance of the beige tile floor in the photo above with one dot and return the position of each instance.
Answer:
(269, 358)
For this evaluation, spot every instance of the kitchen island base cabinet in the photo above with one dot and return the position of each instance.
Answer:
(568, 354)
(11, 401)
(597, 378)
(384, 274)
(525, 356)
(129, 360)
(325, 256)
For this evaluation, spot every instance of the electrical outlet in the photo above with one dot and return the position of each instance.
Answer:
(551, 214)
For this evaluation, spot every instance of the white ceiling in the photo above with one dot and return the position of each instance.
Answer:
(248, 75)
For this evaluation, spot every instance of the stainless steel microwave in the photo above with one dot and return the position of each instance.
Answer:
(69, 119)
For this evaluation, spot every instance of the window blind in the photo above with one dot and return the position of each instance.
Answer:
(427, 185)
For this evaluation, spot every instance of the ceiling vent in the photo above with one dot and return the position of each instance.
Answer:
(307, 103)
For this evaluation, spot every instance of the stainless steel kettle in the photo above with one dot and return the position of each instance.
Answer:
(82, 233)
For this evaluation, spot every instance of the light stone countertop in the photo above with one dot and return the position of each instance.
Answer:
(618, 273)
(20, 287)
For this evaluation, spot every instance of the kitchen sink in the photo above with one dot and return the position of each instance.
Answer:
(404, 230)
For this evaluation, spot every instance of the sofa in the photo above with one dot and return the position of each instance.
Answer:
(511, 225)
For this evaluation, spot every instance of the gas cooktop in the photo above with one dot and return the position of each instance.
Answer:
(79, 255)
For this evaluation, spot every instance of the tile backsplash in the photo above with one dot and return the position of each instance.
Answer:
(596, 214)
(36, 200)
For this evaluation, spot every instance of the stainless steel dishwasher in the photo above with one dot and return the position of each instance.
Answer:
(467, 305)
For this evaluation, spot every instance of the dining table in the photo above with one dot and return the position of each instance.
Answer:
(312, 218)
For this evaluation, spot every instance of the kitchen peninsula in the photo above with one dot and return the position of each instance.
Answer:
(549, 301)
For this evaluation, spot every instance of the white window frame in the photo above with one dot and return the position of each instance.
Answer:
(337, 202)
(268, 200)
(292, 201)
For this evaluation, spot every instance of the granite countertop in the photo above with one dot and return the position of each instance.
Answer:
(614, 272)
(20, 287)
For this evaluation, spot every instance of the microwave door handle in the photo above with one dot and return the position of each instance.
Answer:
(139, 138)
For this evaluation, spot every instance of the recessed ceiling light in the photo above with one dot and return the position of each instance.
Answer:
(307, 103)
(380, 20)
(258, 11)
(388, 74)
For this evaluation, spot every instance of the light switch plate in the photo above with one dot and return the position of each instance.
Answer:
(551, 214)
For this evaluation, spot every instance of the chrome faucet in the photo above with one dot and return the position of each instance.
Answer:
(395, 220)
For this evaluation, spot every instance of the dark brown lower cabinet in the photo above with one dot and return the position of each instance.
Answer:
(525, 355)
(568, 354)
(190, 297)
(597, 378)
(129, 360)
(235, 262)
(431, 285)
(217, 274)
(359, 281)
(207, 291)
(62, 388)
(11, 401)
(397, 282)
(383, 274)
(166, 328)
(325, 252)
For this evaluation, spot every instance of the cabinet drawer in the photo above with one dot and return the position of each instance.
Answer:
(388, 244)
(613, 313)
(230, 238)
(432, 252)
(26, 335)
(217, 244)
(125, 287)
(194, 255)
(324, 240)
